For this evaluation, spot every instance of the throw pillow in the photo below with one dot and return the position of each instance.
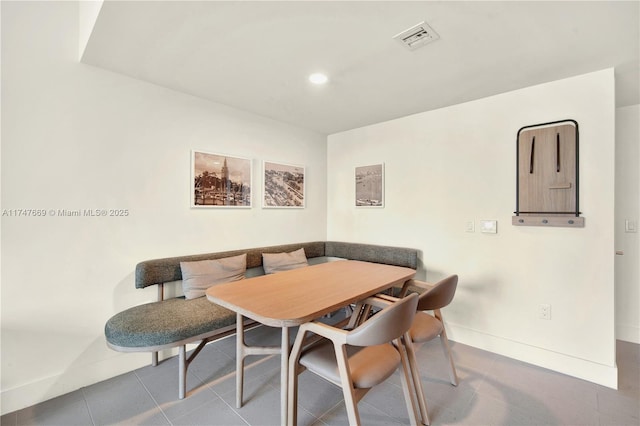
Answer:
(278, 262)
(198, 276)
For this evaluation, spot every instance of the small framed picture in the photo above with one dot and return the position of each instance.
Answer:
(284, 186)
(370, 186)
(219, 180)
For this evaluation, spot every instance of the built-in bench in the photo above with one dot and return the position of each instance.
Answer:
(176, 321)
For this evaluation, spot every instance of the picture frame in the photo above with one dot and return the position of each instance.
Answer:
(369, 185)
(284, 186)
(220, 180)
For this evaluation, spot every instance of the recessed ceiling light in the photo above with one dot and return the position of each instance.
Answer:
(318, 78)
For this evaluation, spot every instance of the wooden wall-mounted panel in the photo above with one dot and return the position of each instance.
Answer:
(548, 174)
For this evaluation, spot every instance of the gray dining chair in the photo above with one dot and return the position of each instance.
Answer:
(359, 359)
(427, 327)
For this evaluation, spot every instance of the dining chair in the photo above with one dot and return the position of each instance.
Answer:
(427, 327)
(359, 359)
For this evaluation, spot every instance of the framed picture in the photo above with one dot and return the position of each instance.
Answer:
(370, 186)
(219, 180)
(284, 186)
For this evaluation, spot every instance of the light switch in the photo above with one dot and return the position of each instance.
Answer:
(470, 226)
(489, 226)
(630, 226)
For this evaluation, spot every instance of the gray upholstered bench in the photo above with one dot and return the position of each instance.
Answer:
(176, 321)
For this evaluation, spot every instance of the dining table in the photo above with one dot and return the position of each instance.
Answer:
(290, 298)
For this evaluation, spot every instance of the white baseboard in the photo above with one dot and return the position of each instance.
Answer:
(604, 375)
(628, 333)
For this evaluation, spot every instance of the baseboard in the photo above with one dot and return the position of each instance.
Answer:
(628, 333)
(604, 375)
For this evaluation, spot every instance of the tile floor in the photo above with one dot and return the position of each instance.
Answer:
(493, 390)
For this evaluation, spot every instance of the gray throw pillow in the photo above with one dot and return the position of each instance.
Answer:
(278, 262)
(198, 276)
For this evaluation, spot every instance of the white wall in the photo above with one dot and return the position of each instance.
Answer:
(77, 137)
(458, 164)
(627, 266)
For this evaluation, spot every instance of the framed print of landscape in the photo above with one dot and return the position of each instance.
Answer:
(370, 186)
(284, 186)
(219, 180)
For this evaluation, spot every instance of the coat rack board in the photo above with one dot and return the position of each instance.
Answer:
(547, 175)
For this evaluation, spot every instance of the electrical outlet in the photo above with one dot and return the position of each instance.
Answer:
(544, 311)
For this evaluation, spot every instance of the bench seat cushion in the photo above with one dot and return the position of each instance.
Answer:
(166, 322)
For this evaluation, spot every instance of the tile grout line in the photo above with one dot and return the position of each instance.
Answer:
(86, 403)
(151, 396)
(232, 408)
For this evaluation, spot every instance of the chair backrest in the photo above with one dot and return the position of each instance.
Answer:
(386, 325)
(440, 295)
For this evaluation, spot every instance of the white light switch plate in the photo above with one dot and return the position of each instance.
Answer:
(489, 226)
(470, 226)
(630, 226)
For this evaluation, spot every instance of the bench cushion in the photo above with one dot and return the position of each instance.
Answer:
(166, 322)
(279, 262)
(198, 276)
(158, 271)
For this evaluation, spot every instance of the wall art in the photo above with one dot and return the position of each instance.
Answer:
(370, 186)
(284, 186)
(219, 180)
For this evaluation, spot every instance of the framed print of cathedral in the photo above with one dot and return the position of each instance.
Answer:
(219, 180)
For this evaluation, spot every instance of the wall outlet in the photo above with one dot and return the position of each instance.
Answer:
(544, 311)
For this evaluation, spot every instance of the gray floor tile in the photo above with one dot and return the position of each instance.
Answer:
(472, 364)
(9, 419)
(369, 415)
(616, 405)
(485, 410)
(316, 395)
(262, 368)
(388, 398)
(122, 400)
(493, 390)
(262, 405)
(215, 412)
(66, 410)
(163, 388)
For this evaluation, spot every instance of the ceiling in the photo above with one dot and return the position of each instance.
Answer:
(256, 56)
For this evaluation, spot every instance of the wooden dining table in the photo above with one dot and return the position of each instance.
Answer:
(291, 298)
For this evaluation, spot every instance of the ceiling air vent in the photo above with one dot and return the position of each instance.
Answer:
(417, 36)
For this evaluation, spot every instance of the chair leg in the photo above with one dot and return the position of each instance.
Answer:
(417, 382)
(292, 394)
(447, 353)
(447, 350)
(406, 380)
(350, 400)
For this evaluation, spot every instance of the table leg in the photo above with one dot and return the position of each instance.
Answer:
(239, 359)
(242, 351)
(284, 374)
